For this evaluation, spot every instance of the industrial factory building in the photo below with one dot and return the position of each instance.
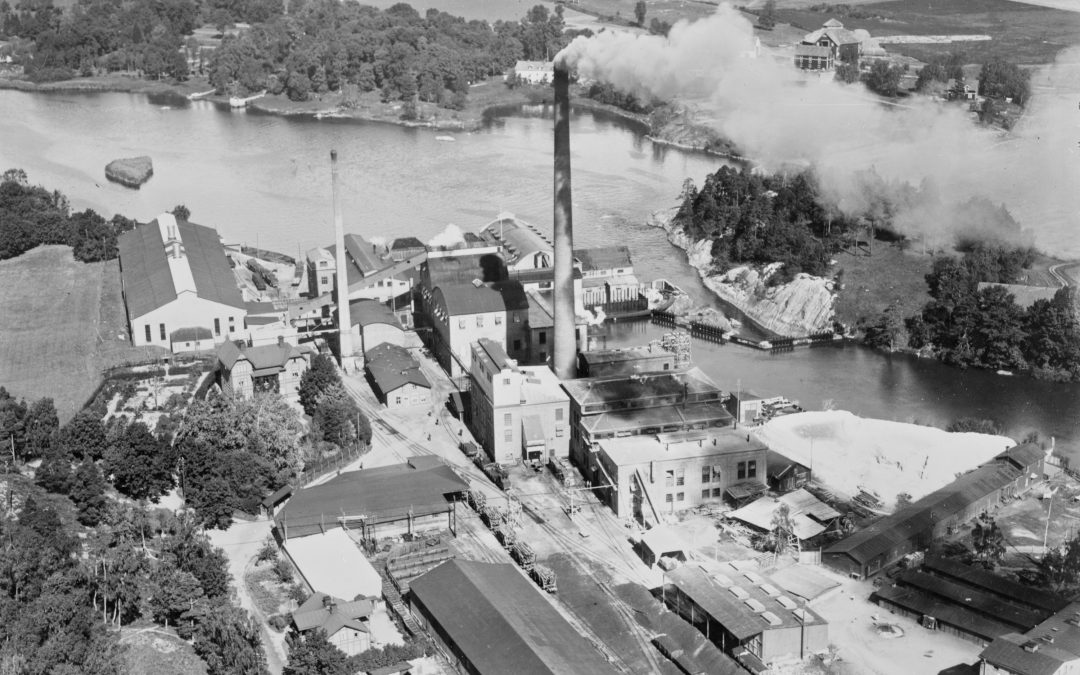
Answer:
(939, 513)
(653, 475)
(745, 614)
(174, 275)
(395, 377)
(462, 314)
(387, 501)
(518, 412)
(489, 619)
(374, 323)
(1050, 648)
(361, 260)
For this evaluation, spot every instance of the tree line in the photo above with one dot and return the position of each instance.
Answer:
(969, 327)
(329, 45)
(32, 216)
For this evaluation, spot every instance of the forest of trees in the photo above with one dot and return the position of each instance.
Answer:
(972, 328)
(328, 45)
(759, 219)
(31, 216)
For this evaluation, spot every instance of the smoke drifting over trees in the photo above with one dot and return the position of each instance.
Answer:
(924, 157)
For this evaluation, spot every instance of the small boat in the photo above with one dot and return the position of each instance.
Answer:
(1004, 372)
(200, 94)
(447, 139)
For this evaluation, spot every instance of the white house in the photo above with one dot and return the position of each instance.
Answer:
(534, 72)
(174, 275)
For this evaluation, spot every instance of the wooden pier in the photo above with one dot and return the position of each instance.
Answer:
(715, 334)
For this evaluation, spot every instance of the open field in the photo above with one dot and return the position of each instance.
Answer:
(50, 304)
(1023, 33)
(872, 283)
(64, 323)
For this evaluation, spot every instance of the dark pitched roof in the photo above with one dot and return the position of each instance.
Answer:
(462, 299)
(501, 623)
(886, 533)
(461, 269)
(406, 242)
(604, 257)
(145, 270)
(994, 583)
(260, 308)
(214, 280)
(1022, 456)
(1008, 653)
(263, 357)
(366, 312)
(916, 600)
(812, 50)
(316, 613)
(392, 367)
(388, 492)
(986, 602)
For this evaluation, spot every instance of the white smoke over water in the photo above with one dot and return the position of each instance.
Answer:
(779, 117)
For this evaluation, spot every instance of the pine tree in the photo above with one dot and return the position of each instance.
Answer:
(88, 493)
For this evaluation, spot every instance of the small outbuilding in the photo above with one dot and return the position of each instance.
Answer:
(395, 377)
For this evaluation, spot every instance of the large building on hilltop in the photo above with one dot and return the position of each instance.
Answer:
(175, 276)
(827, 46)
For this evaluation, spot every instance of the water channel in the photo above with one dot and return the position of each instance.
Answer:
(264, 180)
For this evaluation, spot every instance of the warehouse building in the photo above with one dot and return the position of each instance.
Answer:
(395, 377)
(174, 275)
(939, 513)
(413, 497)
(1051, 648)
(374, 323)
(489, 619)
(745, 614)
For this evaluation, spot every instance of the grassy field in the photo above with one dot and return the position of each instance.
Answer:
(1023, 33)
(63, 322)
(872, 283)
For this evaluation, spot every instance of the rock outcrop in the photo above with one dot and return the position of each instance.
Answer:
(132, 171)
(799, 308)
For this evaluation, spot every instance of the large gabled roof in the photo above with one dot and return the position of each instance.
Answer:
(465, 299)
(501, 623)
(1022, 456)
(144, 269)
(148, 277)
(1007, 652)
(994, 583)
(332, 614)
(366, 311)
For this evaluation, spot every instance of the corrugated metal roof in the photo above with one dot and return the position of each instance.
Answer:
(919, 518)
(214, 280)
(604, 258)
(499, 621)
(145, 270)
(392, 367)
(366, 312)
(985, 602)
(950, 613)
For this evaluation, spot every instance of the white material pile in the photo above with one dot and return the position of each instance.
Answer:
(884, 458)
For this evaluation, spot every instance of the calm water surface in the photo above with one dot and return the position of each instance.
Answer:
(265, 179)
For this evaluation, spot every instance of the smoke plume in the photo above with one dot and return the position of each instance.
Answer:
(450, 237)
(929, 152)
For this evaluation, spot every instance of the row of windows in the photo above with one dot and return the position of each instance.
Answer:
(480, 320)
(747, 469)
(714, 493)
(711, 474)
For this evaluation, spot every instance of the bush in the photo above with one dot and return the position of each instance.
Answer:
(974, 425)
(268, 552)
(279, 622)
(297, 593)
(284, 571)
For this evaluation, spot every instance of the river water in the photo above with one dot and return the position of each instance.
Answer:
(264, 180)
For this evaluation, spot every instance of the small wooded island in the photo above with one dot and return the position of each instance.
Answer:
(132, 171)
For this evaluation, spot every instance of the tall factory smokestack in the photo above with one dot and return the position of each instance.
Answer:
(344, 320)
(565, 357)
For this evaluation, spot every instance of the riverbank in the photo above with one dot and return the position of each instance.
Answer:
(799, 308)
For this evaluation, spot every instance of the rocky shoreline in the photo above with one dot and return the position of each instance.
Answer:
(799, 308)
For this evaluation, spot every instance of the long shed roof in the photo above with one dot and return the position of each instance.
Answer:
(501, 623)
(994, 583)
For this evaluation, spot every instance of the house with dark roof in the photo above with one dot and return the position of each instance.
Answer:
(345, 623)
(489, 619)
(395, 376)
(938, 514)
(745, 614)
(242, 371)
(387, 501)
(406, 247)
(174, 275)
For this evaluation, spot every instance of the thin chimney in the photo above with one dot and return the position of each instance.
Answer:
(565, 353)
(344, 320)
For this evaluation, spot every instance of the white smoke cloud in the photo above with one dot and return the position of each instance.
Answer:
(450, 237)
(780, 117)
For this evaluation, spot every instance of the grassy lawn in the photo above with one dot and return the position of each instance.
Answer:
(1022, 33)
(63, 322)
(872, 283)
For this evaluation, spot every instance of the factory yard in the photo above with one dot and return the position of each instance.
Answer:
(864, 649)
